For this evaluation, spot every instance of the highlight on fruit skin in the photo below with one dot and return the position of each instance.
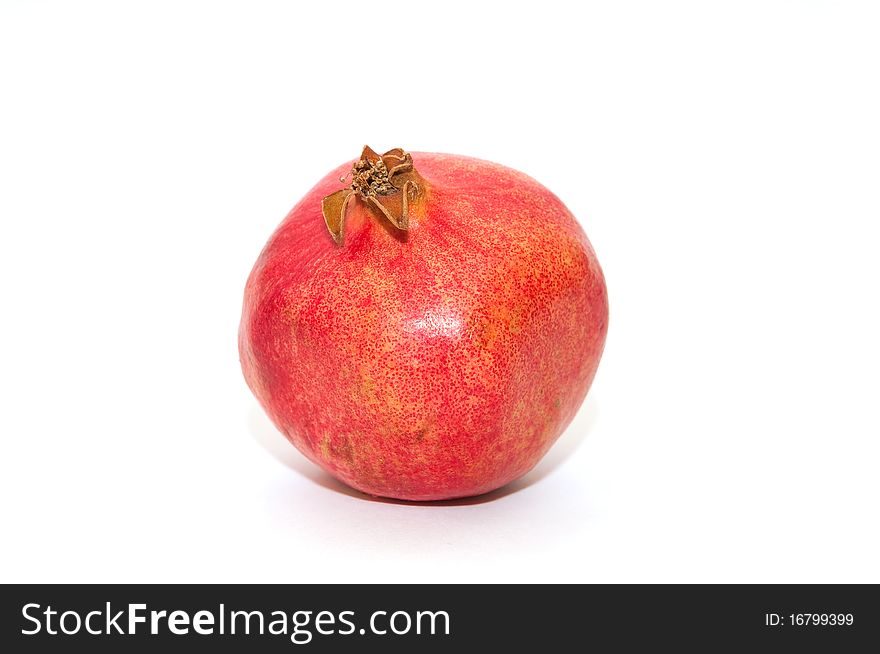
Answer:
(424, 326)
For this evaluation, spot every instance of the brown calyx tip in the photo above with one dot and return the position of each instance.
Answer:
(385, 183)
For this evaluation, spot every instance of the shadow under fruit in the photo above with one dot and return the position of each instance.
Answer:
(424, 326)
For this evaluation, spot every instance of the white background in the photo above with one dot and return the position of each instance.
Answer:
(724, 159)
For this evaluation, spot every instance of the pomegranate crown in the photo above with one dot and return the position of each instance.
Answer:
(385, 183)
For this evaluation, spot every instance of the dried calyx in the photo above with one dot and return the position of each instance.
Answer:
(385, 183)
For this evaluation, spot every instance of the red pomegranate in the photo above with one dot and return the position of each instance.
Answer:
(436, 342)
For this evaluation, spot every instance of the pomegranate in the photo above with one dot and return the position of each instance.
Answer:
(424, 326)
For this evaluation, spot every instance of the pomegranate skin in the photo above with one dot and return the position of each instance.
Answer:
(437, 363)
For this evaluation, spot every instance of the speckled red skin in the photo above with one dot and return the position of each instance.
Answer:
(431, 365)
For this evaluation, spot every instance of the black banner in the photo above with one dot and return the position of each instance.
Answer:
(410, 618)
